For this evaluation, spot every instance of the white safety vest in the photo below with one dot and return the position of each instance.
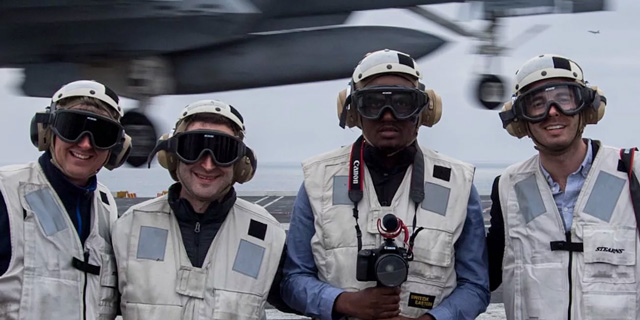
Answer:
(44, 280)
(596, 283)
(157, 280)
(442, 214)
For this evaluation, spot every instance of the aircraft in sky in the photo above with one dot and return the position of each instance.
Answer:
(490, 89)
(148, 48)
(594, 31)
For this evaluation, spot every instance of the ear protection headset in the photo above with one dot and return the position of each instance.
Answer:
(42, 136)
(243, 169)
(386, 62)
(550, 66)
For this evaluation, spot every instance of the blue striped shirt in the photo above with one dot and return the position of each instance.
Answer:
(566, 199)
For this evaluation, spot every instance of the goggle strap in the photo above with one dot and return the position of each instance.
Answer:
(162, 145)
(343, 114)
(43, 117)
(507, 117)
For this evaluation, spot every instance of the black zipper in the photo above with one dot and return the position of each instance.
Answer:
(84, 292)
(568, 235)
(197, 241)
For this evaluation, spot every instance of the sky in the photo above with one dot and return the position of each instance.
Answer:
(292, 123)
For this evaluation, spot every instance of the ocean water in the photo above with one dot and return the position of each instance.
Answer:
(270, 177)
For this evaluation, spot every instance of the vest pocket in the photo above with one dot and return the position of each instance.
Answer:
(49, 298)
(108, 284)
(141, 311)
(609, 254)
(433, 252)
(540, 290)
(230, 305)
(610, 305)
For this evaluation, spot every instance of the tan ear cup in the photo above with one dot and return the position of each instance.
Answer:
(118, 159)
(45, 137)
(168, 160)
(516, 128)
(433, 111)
(41, 136)
(245, 168)
(351, 116)
(595, 112)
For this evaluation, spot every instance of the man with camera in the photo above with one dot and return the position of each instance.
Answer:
(338, 264)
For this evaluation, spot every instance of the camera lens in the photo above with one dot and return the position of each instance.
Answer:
(391, 270)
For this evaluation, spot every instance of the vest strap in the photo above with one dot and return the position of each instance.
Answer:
(567, 246)
(85, 266)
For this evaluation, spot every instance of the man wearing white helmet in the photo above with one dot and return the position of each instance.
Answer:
(56, 259)
(563, 238)
(200, 252)
(440, 271)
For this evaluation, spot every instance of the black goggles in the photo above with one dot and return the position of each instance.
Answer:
(71, 125)
(191, 146)
(404, 103)
(568, 98)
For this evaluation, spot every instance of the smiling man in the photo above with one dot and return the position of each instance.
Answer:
(563, 238)
(200, 252)
(56, 259)
(346, 192)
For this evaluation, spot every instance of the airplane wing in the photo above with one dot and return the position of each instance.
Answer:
(260, 60)
(295, 57)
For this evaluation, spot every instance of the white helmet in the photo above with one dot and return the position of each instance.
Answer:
(385, 61)
(551, 66)
(243, 169)
(547, 66)
(87, 88)
(211, 106)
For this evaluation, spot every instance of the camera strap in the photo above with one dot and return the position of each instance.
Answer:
(356, 177)
(356, 174)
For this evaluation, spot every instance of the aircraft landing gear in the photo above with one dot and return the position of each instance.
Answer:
(490, 91)
(143, 136)
(148, 77)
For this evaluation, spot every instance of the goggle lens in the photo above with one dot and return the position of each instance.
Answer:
(224, 149)
(567, 98)
(72, 125)
(403, 102)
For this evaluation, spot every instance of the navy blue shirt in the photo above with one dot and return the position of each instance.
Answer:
(199, 229)
(198, 240)
(77, 201)
(5, 237)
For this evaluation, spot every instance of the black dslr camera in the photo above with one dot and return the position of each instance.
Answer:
(387, 265)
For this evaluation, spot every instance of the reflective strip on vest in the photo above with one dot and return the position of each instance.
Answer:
(49, 214)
